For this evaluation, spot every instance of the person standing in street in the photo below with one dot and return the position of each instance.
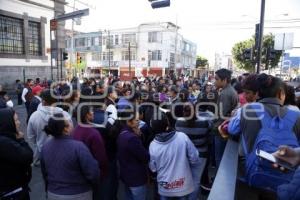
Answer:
(69, 169)
(227, 102)
(36, 100)
(38, 120)
(27, 94)
(15, 158)
(18, 89)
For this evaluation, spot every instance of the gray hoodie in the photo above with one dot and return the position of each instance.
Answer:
(36, 124)
(172, 156)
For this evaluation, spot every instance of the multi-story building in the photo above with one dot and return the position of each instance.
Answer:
(143, 50)
(25, 38)
(223, 60)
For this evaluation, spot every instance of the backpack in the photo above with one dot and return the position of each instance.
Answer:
(274, 132)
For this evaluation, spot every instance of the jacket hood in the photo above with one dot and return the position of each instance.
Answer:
(7, 125)
(164, 137)
(48, 111)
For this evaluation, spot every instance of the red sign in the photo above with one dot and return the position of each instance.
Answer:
(53, 25)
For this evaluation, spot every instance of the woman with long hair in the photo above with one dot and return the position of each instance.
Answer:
(15, 157)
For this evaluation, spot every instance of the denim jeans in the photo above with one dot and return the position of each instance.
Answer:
(220, 145)
(197, 171)
(135, 193)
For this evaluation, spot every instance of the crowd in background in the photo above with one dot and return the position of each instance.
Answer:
(164, 133)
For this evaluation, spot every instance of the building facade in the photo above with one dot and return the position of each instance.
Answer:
(25, 38)
(223, 60)
(153, 48)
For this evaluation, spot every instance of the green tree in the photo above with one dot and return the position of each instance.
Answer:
(201, 61)
(249, 65)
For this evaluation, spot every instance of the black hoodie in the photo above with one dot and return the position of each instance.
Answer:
(15, 155)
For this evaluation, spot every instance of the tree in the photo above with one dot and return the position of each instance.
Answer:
(201, 62)
(249, 65)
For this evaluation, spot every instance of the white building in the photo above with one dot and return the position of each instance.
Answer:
(223, 60)
(152, 51)
(25, 38)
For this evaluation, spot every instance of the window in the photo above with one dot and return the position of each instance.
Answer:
(105, 55)
(172, 58)
(96, 57)
(154, 37)
(34, 38)
(80, 42)
(156, 55)
(104, 38)
(125, 55)
(116, 39)
(11, 35)
(89, 42)
(126, 38)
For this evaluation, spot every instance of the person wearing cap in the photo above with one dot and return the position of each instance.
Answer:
(35, 101)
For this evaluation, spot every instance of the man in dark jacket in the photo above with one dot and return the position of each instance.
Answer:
(35, 101)
(15, 157)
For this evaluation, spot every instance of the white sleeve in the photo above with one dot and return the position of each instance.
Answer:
(112, 114)
(152, 163)
(31, 133)
(192, 152)
(25, 90)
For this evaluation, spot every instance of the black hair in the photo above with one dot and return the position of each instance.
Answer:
(29, 80)
(125, 114)
(238, 87)
(159, 124)
(224, 74)
(47, 97)
(56, 125)
(17, 81)
(84, 110)
(269, 86)
(250, 83)
(290, 97)
(183, 95)
(173, 88)
(110, 90)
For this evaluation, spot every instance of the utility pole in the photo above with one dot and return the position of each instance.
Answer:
(72, 45)
(129, 54)
(261, 35)
(176, 40)
(109, 52)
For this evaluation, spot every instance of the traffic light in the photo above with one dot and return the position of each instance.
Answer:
(78, 58)
(248, 54)
(271, 53)
(65, 56)
(160, 3)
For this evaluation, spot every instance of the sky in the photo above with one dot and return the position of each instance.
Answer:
(214, 25)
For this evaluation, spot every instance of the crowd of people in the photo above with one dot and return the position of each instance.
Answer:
(163, 133)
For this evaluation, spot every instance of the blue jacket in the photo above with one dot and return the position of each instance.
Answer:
(290, 191)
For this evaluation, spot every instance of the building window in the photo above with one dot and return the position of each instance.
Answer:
(89, 42)
(154, 37)
(11, 35)
(96, 56)
(105, 56)
(34, 41)
(172, 58)
(156, 55)
(116, 39)
(125, 55)
(126, 38)
(80, 42)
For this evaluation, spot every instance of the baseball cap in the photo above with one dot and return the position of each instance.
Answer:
(36, 89)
